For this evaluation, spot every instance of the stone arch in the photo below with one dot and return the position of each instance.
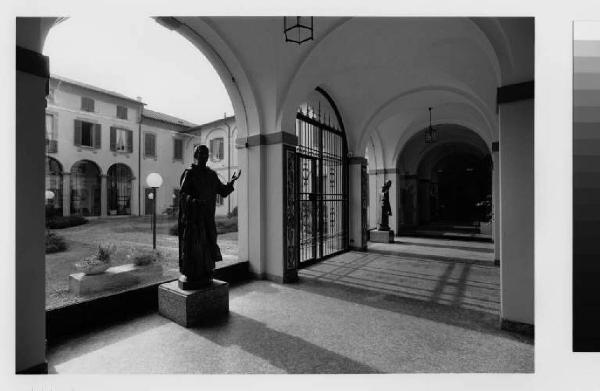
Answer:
(471, 112)
(299, 82)
(119, 191)
(425, 189)
(86, 189)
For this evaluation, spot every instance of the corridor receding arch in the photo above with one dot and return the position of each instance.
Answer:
(443, 182)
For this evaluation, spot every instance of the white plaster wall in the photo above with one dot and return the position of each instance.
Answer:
(273, 217)
(517, 211)
(169, 168)
(67, 107)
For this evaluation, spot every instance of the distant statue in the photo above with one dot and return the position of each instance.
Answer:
(198, 249)
(386, 209)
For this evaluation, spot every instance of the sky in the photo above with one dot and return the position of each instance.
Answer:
(139, 57)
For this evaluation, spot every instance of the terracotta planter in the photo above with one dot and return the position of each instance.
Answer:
(485, 228)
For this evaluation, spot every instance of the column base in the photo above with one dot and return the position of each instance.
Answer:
(190, 307)
(517, 327)
(378, 236)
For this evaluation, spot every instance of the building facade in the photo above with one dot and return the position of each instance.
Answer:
(101, 145)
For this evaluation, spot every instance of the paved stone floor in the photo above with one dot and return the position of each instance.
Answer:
(354, 313)
(456, 273)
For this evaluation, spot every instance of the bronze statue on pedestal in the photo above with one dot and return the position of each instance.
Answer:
(386, 209)
(198, 249)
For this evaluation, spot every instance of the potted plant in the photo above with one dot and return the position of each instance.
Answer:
(99, 262)
(485, 215)
(144, 257)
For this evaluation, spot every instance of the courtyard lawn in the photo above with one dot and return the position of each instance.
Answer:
(125, 233)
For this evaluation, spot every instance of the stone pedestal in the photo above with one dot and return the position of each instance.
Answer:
(189, 307)
(382, 236)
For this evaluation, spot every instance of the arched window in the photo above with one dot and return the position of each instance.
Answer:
(119, 189)
(54, 183)
(85, 188)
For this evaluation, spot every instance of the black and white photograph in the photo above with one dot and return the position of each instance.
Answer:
(307, 195)
(363, 195)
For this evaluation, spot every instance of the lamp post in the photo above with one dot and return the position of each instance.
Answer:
(49, 208)
(154, 180)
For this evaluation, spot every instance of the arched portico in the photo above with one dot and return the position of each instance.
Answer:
(456, 67)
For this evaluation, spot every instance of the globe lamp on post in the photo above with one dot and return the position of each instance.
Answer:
(154, 181)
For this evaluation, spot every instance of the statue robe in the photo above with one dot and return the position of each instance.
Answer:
(198, 249)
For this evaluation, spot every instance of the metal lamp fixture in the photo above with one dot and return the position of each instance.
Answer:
(298, 29)
(431, 134)
(154, 180)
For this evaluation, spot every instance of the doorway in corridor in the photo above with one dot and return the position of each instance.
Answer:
(462, 182)
(323, 195)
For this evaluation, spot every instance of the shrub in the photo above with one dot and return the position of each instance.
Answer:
(58, 222)
(233, 213)
(485, 209)
(144, 257)
(224, 225)
(54, 243)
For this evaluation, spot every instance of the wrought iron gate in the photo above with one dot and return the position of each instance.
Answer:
(322, 196)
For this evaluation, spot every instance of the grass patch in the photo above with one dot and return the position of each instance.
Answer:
(59, 222)
(224, 225)
(54, 243)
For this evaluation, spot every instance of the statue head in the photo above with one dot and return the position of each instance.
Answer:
(201, 154)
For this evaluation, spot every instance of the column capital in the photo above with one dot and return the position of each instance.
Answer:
(357, 160)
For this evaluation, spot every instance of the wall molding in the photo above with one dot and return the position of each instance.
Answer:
(357, 160)
(266, 139)
(517, 327)
(515, 92)
(384, 171)
(32, 62)
(39, 369)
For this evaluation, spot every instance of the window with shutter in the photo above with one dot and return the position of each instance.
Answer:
(51, 136)
(216, 149)
(78, 132)
(87, 104)
(149, 145)
(86, 135)
(97, 136)
(113, 138)
(129, 141)
(177, 149)
(122, 112)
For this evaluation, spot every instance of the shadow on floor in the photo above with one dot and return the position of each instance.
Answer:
(406, 242)
(287, 352)
(440, 258)
(483, 322)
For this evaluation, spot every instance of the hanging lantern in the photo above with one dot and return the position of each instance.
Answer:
(430, 133)
(298, 29)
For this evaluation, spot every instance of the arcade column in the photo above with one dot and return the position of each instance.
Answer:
(516, 120)
(66, 193)
(357, 208)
